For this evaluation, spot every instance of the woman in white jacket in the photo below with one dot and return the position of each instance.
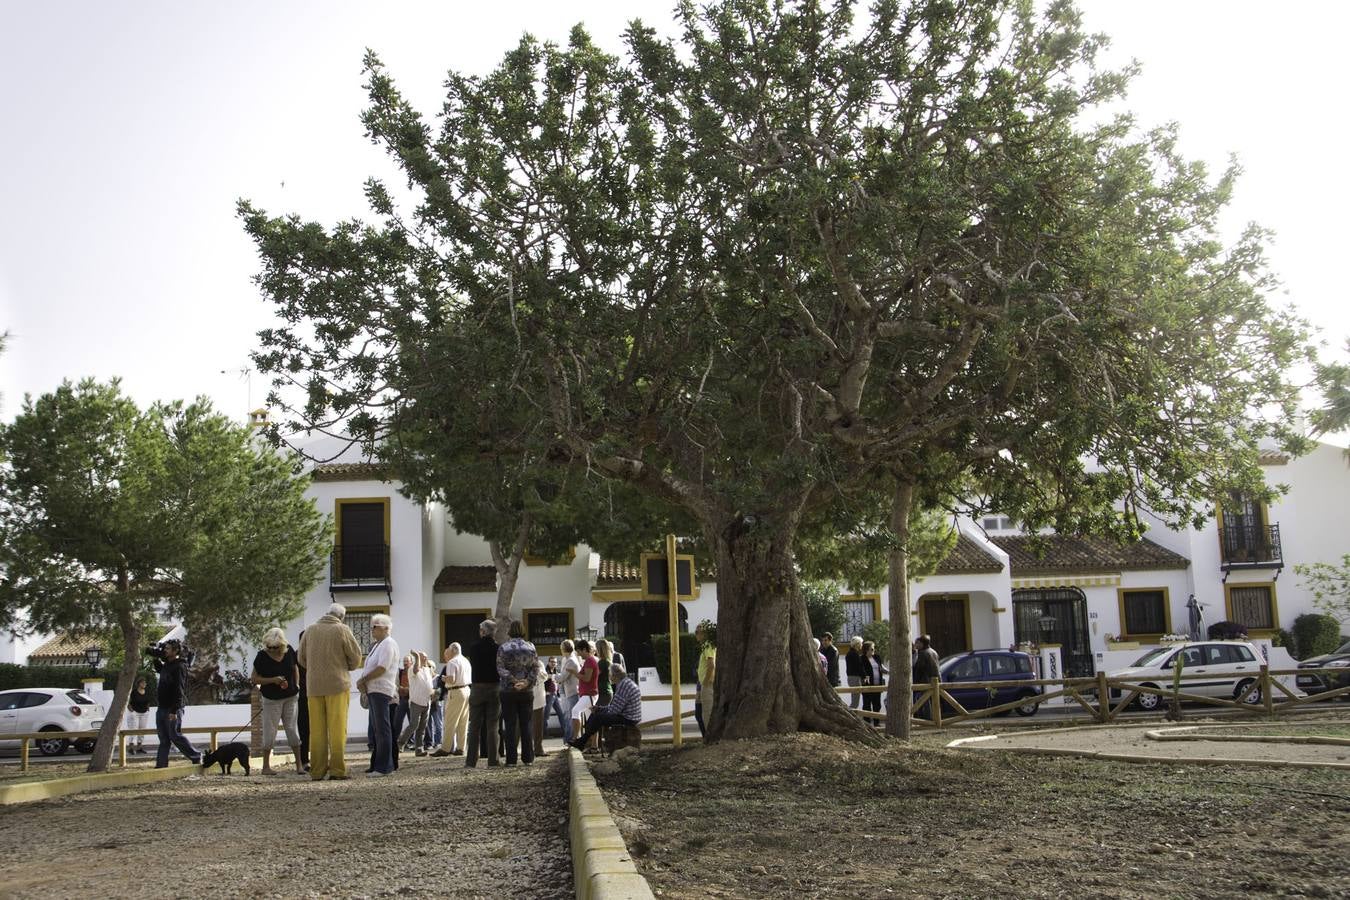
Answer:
(420, 686)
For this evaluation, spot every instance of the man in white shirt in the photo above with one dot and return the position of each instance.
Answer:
(456, 676)
(568, 682)
(379, 682)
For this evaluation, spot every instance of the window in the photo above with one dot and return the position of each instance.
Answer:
(363, 539)
(965, 670)
(358, 620)
(1001, 665)
(858, 612)
(12, 700)
(1193, 656)
(1218, 655)
(1144, 611)
(1252, 605)
(548, 628)
(997, 523)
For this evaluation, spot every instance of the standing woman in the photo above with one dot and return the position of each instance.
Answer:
(276, 671)
(605, 653)
(873, 673)
(420, 688)
(540, 700)
(138, 714)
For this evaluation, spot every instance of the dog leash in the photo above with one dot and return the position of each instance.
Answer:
(246, 727)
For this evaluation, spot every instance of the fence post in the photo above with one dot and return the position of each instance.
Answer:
(23, 754)
(121, 750)
(1103, 699)
(1267, 697)
(937, 702)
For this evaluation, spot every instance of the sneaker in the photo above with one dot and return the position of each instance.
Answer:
(376, 774)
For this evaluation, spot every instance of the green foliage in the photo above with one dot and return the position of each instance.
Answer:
(852, 542)
(1315, 634)
(689, 653)
(14, 676)
(113, 516)
(823, 607)
(1334, 381)
(879, 633)
(1330, 586)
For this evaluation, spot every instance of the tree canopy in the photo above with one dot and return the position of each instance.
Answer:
(800, 255)
(111, 516)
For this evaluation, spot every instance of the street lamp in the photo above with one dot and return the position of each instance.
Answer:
(93, 655)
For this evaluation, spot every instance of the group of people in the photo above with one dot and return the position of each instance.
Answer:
(863, 668)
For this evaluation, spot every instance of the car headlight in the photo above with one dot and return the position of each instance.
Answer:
(1338, 663)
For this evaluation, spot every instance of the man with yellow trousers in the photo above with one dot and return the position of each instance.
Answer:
(329, 652)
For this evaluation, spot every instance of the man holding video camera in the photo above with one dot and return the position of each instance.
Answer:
(172, 699)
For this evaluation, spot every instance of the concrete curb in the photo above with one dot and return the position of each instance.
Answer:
(1191, 733)
(601, 866)
(30, 791)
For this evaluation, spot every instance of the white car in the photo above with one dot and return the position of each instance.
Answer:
(25, 710)
(1231, 666)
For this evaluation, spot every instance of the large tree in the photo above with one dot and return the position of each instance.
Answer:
(800, 252)
(111, 516)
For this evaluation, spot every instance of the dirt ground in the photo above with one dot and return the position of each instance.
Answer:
(806, 815)
(433, 828)
(1135, 740)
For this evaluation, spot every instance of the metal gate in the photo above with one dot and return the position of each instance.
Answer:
(1056, 616)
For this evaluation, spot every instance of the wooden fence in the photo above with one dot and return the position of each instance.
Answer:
(27, 738)
(1093, 695)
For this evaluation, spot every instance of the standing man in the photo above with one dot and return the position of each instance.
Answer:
(831, 653)
(456, 675)
(925, 666)
(138, 714)
(484, 698)
(328, 654)
(379, 682)
(853, 669)
(171, 695)
(517, 671)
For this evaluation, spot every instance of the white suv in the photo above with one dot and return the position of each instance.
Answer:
(1231, 665)
(49, 709)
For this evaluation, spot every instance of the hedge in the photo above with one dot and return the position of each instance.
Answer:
(13, 676)
(1315, 634)
(689, 652)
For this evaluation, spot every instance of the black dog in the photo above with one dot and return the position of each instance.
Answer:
(226, 755)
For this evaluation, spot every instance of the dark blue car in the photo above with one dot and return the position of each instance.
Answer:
(1006, 666)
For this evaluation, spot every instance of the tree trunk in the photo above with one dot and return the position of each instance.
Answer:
(126, 678)
(900, 692)
(768, 677)
(508, 572)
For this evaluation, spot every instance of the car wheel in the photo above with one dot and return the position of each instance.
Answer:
(1148, 702)
(1029, 708)
(1253, 698)
(85, 745)
(52, 746)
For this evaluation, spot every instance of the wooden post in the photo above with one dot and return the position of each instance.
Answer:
(23, 754)
(1103, 699)
(215, 738)
(672, 584)
(1267, 697)
(121, 750)
(936, 701)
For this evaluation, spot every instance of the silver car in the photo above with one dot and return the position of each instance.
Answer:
(1232, 666)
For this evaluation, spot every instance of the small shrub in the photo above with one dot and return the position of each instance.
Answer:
(824, 609)
(1227, 631)
(1315, 634)
(689, 651)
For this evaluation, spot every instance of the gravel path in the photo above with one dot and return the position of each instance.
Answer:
(434, 827)
(1135, 741)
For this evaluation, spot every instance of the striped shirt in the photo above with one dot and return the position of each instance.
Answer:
(627, 702)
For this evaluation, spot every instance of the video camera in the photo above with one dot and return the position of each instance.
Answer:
(157, 650)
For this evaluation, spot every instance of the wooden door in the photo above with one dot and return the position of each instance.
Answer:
(947, 621)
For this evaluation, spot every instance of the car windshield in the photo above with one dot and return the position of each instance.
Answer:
(1152, 657)
(1342, 650)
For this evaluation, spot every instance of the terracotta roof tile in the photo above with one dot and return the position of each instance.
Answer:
(1062, 554)
(466, 579)
(968, 558)
(364, 471)
(618, 574)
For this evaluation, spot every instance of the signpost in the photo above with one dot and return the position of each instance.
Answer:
(670, 578)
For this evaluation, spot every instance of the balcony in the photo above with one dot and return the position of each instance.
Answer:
(359, 567)
(1250, 547)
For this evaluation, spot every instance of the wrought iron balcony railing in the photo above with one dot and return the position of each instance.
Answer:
(1251, 546)
(359, 567)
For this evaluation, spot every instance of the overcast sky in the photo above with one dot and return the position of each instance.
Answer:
(131, 129)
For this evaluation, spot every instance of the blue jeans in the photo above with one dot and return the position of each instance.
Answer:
(169, 734)
(382, 732)
(555, 704)
(435, 724)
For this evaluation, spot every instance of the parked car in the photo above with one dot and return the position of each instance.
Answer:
(49, 709)
(1231, 665)
(1317, 684)
(1008, 667)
